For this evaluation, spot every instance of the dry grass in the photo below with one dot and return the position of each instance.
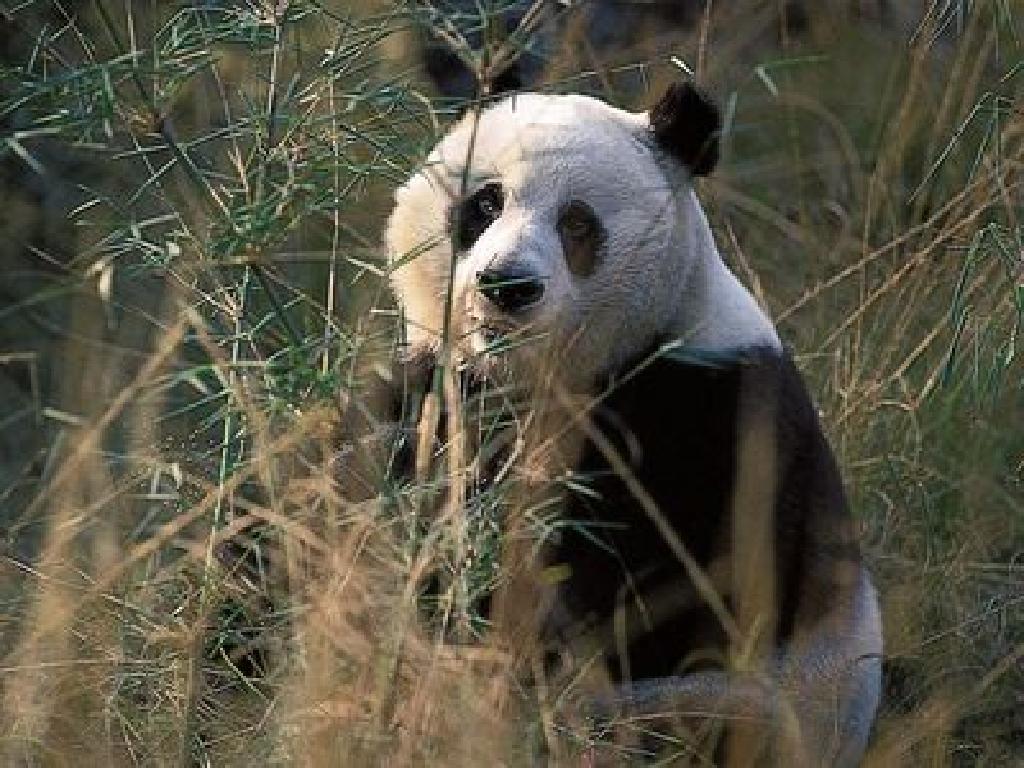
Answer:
(185, 582)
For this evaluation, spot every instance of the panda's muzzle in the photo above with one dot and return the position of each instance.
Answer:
(510, 290)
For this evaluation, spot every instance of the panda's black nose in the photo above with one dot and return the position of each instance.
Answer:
(510, 290)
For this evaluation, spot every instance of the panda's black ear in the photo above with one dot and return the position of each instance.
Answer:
(687, 125)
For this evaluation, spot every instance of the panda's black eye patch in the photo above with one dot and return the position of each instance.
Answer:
(582, 237)
(471, 216)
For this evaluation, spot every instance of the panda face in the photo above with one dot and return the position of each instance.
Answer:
(552, 226)
(577, 225)
(557, 218)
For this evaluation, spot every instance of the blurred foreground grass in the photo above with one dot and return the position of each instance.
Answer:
(192, 287)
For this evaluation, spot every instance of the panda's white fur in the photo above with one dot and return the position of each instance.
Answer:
(659, 276)
(660, 271)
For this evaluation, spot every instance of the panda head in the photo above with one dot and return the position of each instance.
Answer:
(571, 226)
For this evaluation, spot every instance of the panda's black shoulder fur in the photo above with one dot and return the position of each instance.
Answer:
(677, 420)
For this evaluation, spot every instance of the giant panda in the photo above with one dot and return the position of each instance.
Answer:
(713, 567)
